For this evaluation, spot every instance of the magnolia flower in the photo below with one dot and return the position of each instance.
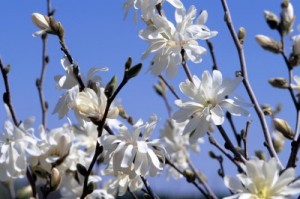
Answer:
(124, 179)
(126, 148)
(69, 80)
(167, 41)
(15, 142)
(55, 147)
(263, 180)
(91, 104)
(42, 22)
(177, 146)
(208, 101)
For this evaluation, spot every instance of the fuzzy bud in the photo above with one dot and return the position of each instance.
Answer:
(271, 19)
(278, 144)
(242, 35)
(268, 44)
(284, 128)
(267, 109)
(260, 155)
(279, 82)
(24, 192)
(287, 17)
(57, 27)
(55, 179)
(190, 175)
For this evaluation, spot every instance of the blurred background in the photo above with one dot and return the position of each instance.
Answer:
(97, 35)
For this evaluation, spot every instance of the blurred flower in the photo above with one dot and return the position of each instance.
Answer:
(177, 146)
(126, 148)
(72, 186)
(68, 80)
(65, 102)
(167, 41)
(42, 22)
(147, 7)
(263, 180)
(92, 105)
(55, 146)
(296, 45)
(208, 101)
(297, 85)
(15, 142)
(125, 179)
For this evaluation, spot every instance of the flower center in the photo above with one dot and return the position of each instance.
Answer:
(263, 193)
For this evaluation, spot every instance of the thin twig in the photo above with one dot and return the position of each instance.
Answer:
(147, 185)
(179, 171)
(132, 194)
(212, 53)
(169, 87)
(185, 66)
(7, 94)
(236, 134)
(201, 180)
(218, 146)
(40, 81)
(245, 139)
(247, 85)
(229, 145)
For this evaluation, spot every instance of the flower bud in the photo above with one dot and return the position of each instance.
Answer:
(287, 17)
(278, 144)
(271, 19)
(55, 179)
(279, 82)
(24, 192)
(267, 109)
(268, 43)
(242, 35)
(41, 21)
(260, 155)
(284, 128)
(190, 175)
(56, 27)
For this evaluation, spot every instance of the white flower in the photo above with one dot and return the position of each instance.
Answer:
(167, 41)
(296, 45)
(263, 180)
(208, 102)
(91, 104)
(72, 186)
(56, 146)
(297, 85)
(68, 80)
(65, 102)
(177, 146)
(147, 7)
(124, 179)
(15, 142)
(126, 148)
(42, 22)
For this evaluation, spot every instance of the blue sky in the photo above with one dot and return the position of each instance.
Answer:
(97, 35)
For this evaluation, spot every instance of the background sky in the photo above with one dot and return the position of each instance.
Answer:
(97, 35)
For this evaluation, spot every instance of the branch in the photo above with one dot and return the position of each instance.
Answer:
(147, 185)
(212, 53)
(247, 85)
(185, 66)
(169, 87)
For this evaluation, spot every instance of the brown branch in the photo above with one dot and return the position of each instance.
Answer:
(247, 85)
(185, 66)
